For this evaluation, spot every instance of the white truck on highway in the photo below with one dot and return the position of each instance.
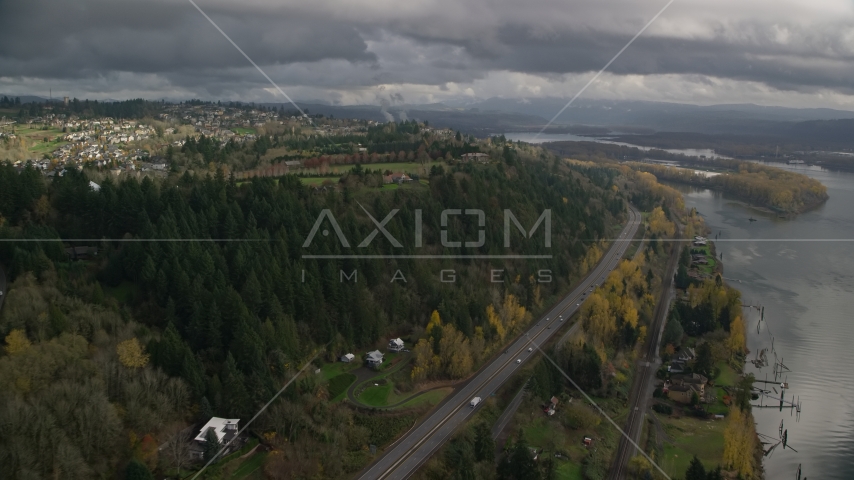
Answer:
(474, 402)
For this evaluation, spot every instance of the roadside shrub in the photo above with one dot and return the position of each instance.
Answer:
(663, 409)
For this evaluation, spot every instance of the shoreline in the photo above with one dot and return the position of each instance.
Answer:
(758, 450)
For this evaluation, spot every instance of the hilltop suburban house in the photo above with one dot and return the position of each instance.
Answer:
(395, 345)
(374, 359)
(225, 430)
(347, 357)
(477, 157)
(397, 177)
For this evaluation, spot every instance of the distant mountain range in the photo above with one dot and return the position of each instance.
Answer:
(498, 115)
(602, 117)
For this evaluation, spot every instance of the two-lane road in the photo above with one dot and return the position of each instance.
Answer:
(416, 446)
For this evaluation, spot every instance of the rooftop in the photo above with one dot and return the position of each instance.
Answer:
(224, 428)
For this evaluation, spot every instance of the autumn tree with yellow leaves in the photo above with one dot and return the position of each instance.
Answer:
(659, 225)
(453, 355)
(17, 342)
(131, 354)
(611, 314)
(508, 316)
(740, 443)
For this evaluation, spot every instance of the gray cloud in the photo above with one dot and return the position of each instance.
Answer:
(345, 51)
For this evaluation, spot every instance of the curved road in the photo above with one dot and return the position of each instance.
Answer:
(417, 445)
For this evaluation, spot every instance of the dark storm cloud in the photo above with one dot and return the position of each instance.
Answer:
(364, 43)
(92, 37)
(823, 64)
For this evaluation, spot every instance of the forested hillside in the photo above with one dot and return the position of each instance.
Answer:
(200, 302)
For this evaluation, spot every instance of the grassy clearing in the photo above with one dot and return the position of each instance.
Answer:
(569, 471)
(432, 398)
(244, 131)
(550, 434)
(406, 167)
(316, 181)
(376, 395)
(691, 436)
(727, 377)
(250, 468)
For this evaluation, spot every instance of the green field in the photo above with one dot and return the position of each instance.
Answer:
(376, 395)
(411, 168)
(406, 167)
(727, 377)
(244, 131)
(569, 471)
(703, 438)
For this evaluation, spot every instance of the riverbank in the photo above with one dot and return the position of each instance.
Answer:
(697, 408)
(782, 192)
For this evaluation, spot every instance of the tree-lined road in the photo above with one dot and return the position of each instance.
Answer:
(419, 444)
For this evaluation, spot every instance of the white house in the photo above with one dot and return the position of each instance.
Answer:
(375, 358)
(395, 345)
(225, 430)
(347, 357)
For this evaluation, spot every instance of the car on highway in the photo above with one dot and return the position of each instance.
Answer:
(518, 360)
(577, 304)
(530, 349)
(474, 402)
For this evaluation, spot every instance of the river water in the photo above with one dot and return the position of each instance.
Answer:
(532, 137)
(802, 272)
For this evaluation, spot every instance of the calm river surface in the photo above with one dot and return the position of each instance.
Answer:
(802, 271)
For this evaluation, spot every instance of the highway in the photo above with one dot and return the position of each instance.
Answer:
(422, 441)
(645, 369)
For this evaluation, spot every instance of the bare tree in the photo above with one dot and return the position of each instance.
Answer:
(175, 451)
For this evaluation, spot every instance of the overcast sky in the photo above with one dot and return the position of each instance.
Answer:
(770, 52)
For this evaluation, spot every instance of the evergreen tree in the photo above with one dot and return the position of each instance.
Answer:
(484, 445)
(696, 470)
(212, 445)
(137, 470)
